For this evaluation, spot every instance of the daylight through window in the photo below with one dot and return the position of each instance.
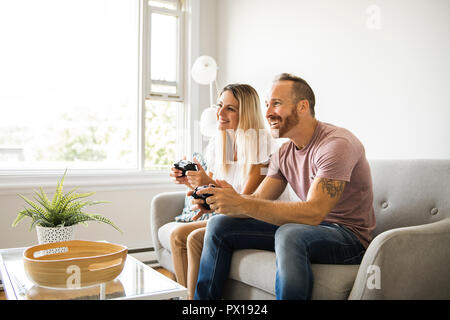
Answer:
(69, 85)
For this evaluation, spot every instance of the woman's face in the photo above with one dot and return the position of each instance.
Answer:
(227, 111)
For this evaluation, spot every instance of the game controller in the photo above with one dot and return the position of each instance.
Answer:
(185, 165)
(203, 196)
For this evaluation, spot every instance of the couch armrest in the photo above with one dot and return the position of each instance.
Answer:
(406, 263)
(164, 208)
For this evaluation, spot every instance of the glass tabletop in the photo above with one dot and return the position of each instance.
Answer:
(136, 281)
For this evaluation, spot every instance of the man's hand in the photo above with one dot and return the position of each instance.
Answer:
(224, 199)
(198, 206)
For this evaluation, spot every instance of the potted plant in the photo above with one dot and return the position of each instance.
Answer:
(55, 220)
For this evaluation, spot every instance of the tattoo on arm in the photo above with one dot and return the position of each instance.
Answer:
(334, 188)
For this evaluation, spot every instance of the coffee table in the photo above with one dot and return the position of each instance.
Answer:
(136, 282)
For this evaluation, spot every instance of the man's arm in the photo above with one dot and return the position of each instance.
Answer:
(266, 188)
(269, 189)
(322, 197)
(231, 202)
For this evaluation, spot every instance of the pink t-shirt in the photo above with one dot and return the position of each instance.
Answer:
(333, 153)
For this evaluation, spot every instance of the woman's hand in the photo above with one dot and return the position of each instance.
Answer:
(178, 176)
(198, 178)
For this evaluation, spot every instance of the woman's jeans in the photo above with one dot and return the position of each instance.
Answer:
(296, 246)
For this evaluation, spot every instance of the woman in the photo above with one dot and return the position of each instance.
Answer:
(237, 154)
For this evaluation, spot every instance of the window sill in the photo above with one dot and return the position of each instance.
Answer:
(91, 181)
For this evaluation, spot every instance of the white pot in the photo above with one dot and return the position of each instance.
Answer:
(47, 235)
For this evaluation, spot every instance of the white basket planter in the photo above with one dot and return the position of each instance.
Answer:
(48, 235)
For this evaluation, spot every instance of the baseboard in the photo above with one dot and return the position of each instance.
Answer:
(145, 255)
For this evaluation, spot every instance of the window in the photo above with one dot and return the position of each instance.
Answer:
(164, 85)
(71, 84)
(165, 51)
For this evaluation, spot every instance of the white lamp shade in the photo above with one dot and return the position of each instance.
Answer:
(208, 122)
(204, 70)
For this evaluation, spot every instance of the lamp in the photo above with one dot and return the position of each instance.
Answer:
(204, 71)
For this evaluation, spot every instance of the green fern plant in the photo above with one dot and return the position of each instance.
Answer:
(62, 211)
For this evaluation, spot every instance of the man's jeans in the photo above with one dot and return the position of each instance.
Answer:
(296, 246)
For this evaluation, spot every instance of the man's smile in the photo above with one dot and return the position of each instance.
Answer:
(274, 122)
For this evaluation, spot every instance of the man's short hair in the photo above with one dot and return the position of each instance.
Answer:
(300, 90)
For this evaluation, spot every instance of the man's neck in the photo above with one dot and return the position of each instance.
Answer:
(304, 133)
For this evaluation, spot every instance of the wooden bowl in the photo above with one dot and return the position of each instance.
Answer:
(74, 264)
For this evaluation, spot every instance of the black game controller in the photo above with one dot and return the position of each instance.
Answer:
(203, 196)
(185, 165)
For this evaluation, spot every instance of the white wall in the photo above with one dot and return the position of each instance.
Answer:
(390, 86)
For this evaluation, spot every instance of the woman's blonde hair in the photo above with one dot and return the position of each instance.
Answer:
(250, 138)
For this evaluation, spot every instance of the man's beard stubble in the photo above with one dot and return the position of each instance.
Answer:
(290, 121)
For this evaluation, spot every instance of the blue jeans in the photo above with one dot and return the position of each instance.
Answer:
(296, 246)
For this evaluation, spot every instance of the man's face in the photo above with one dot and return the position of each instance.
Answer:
(281, 113)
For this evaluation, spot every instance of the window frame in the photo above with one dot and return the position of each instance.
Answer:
(179, 83)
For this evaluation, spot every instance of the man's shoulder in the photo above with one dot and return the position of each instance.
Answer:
(336, 143)
(331, 130)
(332, 133)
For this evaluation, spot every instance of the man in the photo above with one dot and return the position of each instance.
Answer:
(327, 168)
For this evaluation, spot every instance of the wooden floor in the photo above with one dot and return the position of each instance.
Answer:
(165, 272)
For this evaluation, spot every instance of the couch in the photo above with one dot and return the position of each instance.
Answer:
(409, 257)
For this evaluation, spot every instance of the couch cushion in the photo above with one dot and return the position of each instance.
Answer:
(164, 233)
(244, 264)
(333, 281)
(330, 281)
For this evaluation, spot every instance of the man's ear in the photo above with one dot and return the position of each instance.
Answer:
(303, 106)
